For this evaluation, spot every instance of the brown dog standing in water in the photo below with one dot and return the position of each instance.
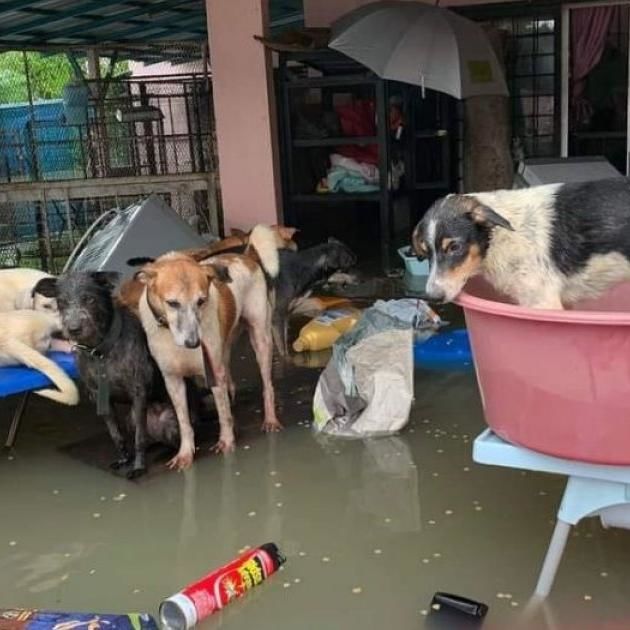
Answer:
(190, 313)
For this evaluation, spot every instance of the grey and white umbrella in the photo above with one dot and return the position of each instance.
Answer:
(423, 45)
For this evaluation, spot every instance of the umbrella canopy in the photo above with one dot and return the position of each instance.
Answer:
(423, 45)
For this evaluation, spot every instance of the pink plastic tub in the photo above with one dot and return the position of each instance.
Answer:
(554, 381)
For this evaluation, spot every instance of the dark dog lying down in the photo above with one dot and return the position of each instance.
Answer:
(300, 272)
(111, 342)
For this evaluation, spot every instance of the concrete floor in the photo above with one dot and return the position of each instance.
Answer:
(370, 529)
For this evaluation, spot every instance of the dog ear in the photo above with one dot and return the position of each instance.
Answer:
(484, 215)
(217, 272)
(418, 246)
(108, 279)
(285, 232)
(140, 260)
(145, 275)
(46, 287)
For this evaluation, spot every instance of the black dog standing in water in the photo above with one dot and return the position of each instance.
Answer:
(113, 356)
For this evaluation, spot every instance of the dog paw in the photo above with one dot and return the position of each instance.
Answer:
(119, 463)
(182, 460)
(223, 446)
(271, 426)
(134, 473)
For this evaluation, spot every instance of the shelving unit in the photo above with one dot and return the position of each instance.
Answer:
(326, 76)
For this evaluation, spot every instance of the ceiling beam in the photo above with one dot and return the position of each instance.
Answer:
(81, 10)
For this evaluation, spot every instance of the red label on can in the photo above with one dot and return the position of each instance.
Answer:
(229, 582)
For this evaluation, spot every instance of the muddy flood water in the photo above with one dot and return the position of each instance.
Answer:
(371, 529)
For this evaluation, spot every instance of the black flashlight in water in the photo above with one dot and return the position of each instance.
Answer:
(454, 612)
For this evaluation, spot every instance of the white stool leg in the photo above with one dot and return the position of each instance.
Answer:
(553, 557)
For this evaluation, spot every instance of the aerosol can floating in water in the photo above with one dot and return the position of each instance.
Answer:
(212, 592)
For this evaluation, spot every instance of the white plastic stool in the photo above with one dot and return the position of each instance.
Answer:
(591, 490)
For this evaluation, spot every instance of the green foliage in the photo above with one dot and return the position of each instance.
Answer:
(48, 74)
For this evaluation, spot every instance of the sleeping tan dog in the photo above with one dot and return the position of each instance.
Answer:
(24, 336)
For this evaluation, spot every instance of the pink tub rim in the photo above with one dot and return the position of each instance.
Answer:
(468, 301)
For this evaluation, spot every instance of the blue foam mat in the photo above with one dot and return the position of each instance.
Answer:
(445, 351)
(17, 379)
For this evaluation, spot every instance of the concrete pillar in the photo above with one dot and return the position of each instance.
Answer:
(245, 112)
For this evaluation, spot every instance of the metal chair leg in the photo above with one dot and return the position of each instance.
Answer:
(17, 418)
(553, 557)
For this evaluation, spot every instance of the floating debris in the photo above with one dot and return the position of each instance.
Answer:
(246, 447)
(237, 473)
(437, 555)
(378, 552)
(64, 577)
(436, 607)
(120, 497)
(12, 543)
(96, 515)
(92, 571)
(588, 598)
(252, 513)
(357, 589)
(325, 559)
(287, 585)
(500, 596)
(297, 580)
(103, 498)
(514, 604)
(278, 484)
(302, 554)
(466, 469)
(478, 508)
(425, 560)
(448, 512)
(273, 473)
(388, 520)
(542, 493)
(424, 613)
(603, 574)
(432, 522)
(136, 591)
(55, 491)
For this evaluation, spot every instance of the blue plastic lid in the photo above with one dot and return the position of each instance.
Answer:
(448, 350)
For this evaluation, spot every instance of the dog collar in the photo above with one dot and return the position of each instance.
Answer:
(109, 341)
(160, 319)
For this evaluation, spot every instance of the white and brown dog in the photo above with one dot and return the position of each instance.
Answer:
(544, 247)
(24, 288)
(190, 313)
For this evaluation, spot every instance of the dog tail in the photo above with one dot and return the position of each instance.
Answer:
(66, 392)
(263, 247)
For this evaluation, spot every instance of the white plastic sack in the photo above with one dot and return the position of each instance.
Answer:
(367, 387)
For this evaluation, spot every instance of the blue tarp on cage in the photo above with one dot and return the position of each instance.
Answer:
(36, 143)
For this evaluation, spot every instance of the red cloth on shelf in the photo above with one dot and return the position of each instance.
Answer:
(358, 119)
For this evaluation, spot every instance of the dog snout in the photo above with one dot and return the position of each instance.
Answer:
(192, 341)
(435, 294)
(73, 328)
